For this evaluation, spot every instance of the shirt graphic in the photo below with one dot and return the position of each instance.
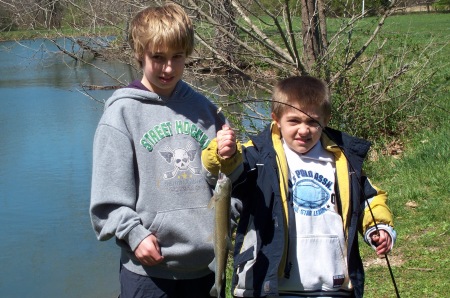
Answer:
(168, 129)
(180, 159)
(311, 193)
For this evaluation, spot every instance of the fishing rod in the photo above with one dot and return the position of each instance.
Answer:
(349, 163)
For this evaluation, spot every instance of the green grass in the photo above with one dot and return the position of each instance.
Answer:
(418, 180)
(419, 193)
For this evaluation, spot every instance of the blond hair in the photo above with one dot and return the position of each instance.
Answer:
(301, 91)
(161, 28)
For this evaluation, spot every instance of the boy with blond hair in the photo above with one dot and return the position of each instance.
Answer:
(304, 199)
(147, 188)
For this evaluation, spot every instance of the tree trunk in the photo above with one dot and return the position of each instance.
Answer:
(50, 13)
(224, 14)
(314, 33)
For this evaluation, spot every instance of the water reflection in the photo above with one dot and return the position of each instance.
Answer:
(40, 63)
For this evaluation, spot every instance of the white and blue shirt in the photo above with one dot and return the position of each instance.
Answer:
(317, 249)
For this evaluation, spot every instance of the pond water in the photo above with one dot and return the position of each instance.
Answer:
(48, 247)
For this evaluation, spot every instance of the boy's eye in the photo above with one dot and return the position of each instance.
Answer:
(161, 57)
(311, 123)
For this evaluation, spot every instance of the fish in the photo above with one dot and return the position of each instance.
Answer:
(221, 202)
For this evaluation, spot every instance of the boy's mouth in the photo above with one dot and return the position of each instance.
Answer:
(166, 79)
(302, 140)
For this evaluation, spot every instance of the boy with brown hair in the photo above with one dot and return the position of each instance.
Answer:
(147, 188)
(304, 199)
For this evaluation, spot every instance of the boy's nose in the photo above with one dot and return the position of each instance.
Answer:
(168, 66)
(303, 129)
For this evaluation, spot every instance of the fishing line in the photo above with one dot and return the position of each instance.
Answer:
(349, 163)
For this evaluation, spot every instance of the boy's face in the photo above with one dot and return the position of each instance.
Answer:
(162, 70)
(298, 130)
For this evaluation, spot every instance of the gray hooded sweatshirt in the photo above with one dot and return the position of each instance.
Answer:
(147, 178)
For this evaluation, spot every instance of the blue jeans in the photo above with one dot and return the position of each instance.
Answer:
(133, 285)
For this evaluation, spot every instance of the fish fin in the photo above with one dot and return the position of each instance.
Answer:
(215, 292)
(212, 265)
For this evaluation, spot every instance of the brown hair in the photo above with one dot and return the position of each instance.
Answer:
(301, 91)
(160, 28)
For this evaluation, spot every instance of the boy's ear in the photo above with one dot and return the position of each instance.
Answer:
(327, 120)
(274, 118)
(136, 56)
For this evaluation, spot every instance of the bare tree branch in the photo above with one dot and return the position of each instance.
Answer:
(368, 42)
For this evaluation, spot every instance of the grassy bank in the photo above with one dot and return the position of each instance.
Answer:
(417, 179)
(417, 184)
(47, 33)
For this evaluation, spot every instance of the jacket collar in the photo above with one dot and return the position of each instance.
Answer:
(355, 149)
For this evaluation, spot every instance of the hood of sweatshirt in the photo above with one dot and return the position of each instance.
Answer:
(181, 92)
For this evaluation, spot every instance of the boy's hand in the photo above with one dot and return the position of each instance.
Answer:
(226, 142)
(148, 251)
(383, 242)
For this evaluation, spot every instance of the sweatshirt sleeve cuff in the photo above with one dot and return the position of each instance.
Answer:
(384, 227)
(213, 162)
(136, 235)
